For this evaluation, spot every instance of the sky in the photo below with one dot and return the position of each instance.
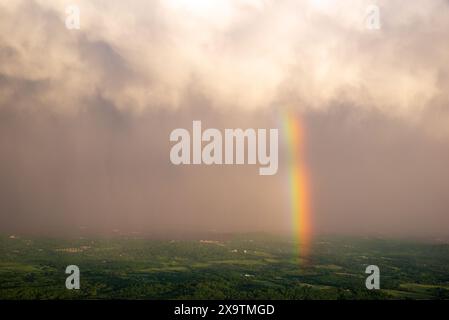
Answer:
(86, 114)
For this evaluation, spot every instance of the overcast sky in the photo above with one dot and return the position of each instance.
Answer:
(85, 115)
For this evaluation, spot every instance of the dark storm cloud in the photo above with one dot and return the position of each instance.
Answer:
(106, 169)
(376, 174)
(85, 115)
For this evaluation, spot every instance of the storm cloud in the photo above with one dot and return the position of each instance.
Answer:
(85, 115)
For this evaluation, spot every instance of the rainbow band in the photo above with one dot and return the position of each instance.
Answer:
(299, 184)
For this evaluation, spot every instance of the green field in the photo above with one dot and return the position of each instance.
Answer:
(236, 267)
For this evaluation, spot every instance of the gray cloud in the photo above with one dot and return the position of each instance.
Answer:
(85, 115)
(107, 169)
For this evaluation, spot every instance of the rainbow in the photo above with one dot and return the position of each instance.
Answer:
(299, 184)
